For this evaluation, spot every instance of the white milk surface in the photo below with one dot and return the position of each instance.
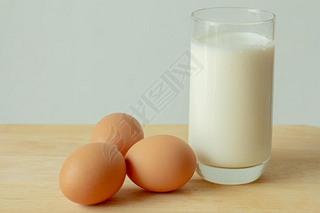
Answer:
(230, 115)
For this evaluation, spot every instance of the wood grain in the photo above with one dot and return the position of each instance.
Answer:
(31, 157)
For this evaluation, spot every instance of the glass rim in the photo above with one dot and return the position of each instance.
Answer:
(269, 20)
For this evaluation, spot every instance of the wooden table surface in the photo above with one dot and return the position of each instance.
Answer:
(31, 157)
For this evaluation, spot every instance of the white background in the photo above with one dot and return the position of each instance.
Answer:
(76, 61)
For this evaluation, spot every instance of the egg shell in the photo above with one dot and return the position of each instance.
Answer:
(160, 163)
(119, 129)
(92, 174)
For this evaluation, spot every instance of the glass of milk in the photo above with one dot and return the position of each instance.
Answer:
(230, 109)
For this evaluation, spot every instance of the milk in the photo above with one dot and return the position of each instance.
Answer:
(230, 115)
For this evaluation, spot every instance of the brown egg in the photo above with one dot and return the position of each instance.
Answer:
(119, 129)
(160, 163)
(92, 174)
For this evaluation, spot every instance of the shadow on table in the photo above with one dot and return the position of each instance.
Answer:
(135, 196)
(286, 166)
(292, 166)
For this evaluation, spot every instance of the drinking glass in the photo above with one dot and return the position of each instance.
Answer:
(230, 108)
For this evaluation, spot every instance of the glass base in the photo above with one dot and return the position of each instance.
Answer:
(231, 176)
